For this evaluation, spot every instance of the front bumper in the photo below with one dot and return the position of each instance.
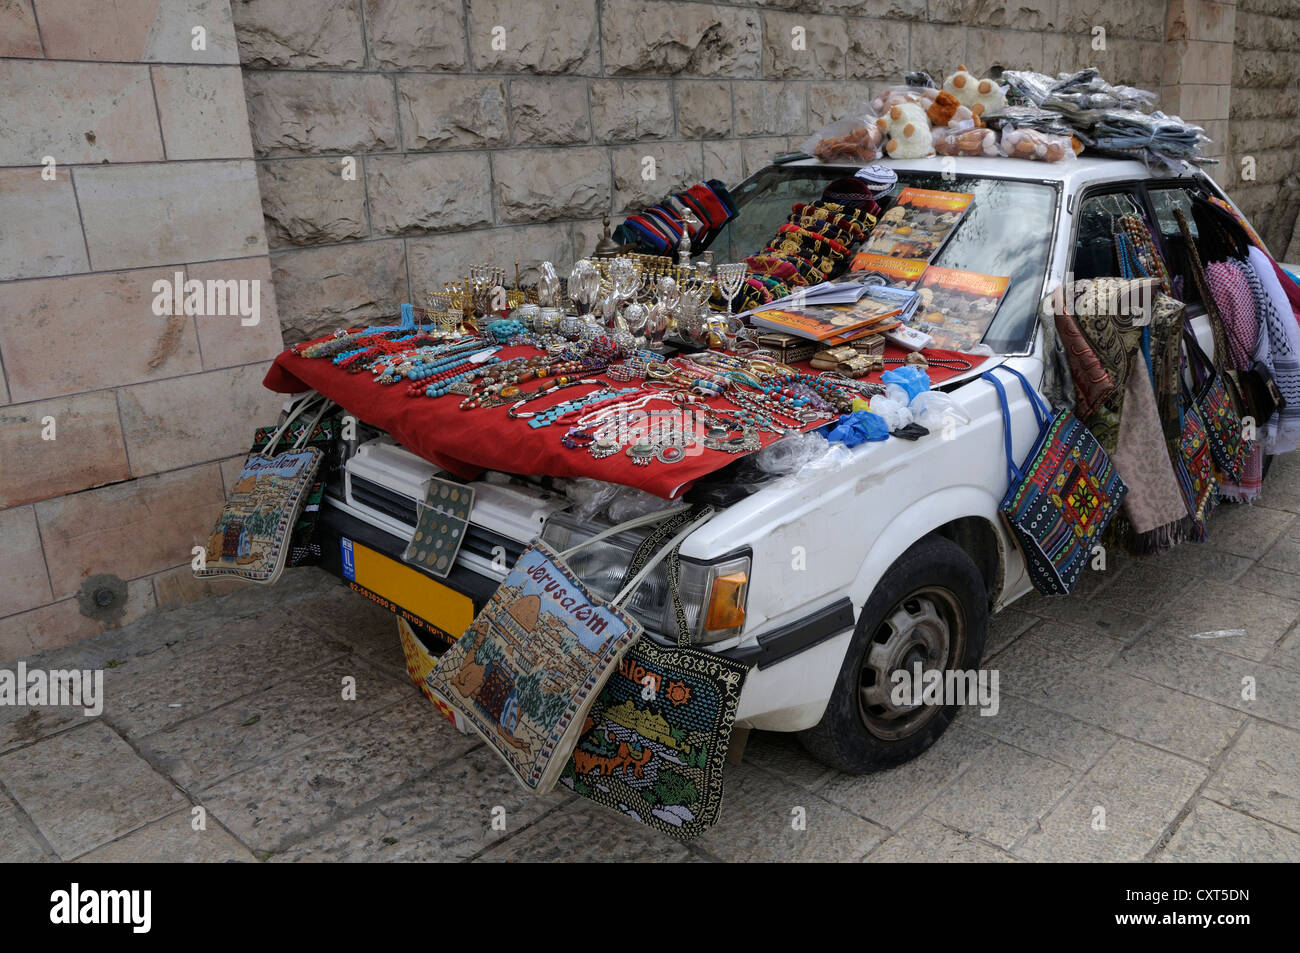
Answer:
(793, 667)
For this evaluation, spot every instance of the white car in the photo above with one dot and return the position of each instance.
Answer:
(898, 557)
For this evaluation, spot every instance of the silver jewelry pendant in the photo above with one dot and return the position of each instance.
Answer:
(604, 447)
(641, 453)
(671, 453)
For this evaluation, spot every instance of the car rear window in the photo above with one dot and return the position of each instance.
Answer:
(1007, 232)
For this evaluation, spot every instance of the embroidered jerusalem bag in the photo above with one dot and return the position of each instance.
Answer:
(304, 548)
(1223, 429)
(533, 661)
(1194, 468)
(1063, 496)
(654, 744)
(251, 536)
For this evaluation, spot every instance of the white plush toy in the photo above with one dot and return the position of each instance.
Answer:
(897, 95)
(908, 130)
(981, 96)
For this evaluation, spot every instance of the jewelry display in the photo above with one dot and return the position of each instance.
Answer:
(724, 388)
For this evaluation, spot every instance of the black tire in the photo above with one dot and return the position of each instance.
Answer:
(934, 579)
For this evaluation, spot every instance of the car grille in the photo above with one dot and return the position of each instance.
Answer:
(478, 540)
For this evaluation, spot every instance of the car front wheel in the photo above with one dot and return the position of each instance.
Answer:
(930, 607)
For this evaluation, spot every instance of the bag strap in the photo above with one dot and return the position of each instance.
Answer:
(307, 432)
(649, 546)
(623, 527)
(1198, 361)
(269, 450)
(670, 547)
(1041, 411)
(1013, 472)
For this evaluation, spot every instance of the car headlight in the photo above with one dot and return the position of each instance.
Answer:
(713, 594)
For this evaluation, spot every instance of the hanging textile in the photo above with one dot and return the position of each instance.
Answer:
(1282, 337)
(1128, 423)
(1236, 306)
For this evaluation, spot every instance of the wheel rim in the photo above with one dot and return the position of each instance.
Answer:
(927, 626)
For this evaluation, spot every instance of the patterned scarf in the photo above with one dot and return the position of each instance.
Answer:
(1278, 348)
(1236, 304)
(1133, 422)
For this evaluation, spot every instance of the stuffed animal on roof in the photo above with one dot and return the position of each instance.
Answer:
(898, 95)
(945, 110)
(908, 130)
(981, 96)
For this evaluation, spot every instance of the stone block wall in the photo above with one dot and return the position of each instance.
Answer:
(400, 141)
(1264, 132)
(125, 158)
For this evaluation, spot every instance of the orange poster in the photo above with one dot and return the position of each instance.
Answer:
(957, 306)
(918, 224)
(895, 272)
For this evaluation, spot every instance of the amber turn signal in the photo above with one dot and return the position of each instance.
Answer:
(727, 602)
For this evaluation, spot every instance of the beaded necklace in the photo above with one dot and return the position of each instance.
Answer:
(547, 417)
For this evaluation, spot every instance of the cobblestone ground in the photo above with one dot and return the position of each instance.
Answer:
(1127, 697)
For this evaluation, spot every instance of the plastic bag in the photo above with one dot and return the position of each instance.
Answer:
(937, 411)
(910, 377)
(629, 503)
(858, 427)
(897, 95)
(895, 415)
(855, 138)
(836, 457)
(1030, 86)
(1035, 145)
(791, 453)
(965, 139)
(590, 497)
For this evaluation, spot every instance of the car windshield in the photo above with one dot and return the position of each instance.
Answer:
(1007, 231)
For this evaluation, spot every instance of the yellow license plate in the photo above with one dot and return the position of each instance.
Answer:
(422, 601)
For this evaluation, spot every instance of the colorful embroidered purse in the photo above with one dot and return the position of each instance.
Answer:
(1194, 468)
(304, 549)
(1227, 441)
(251, 536)
(533, 661)
(654, 744)
(1061, 500)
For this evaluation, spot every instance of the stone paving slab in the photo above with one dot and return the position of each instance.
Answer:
(766, 818)
(85, 787)
(276, 804)
(1213, 834)
(1120, 809)
(172, 839)
(206, 675)
(1202, 669)
(924, 840)
(583, 832)
(455, 812)
(1041, 731)
(261, 727)
(1001, 795)
(1261, 775)
(20, 841)
(892, 797)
